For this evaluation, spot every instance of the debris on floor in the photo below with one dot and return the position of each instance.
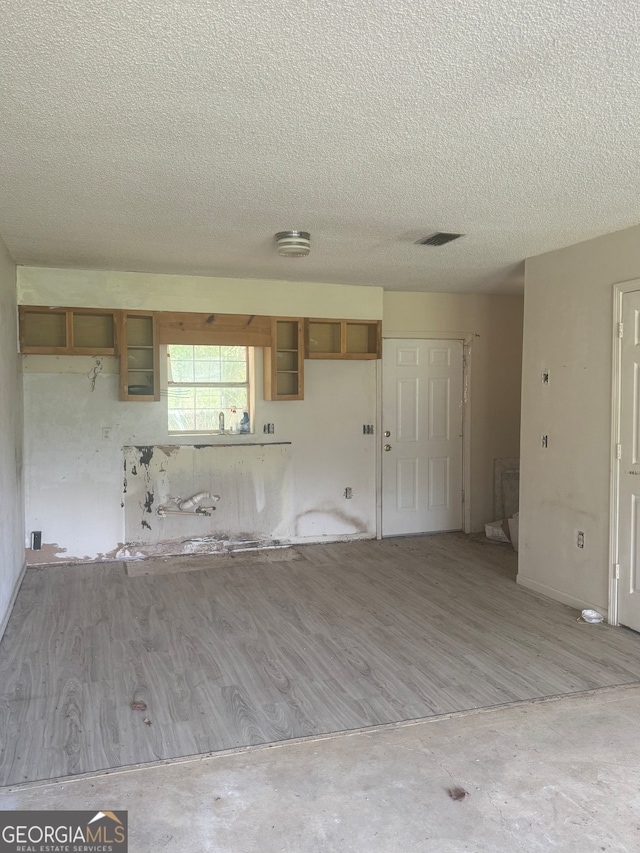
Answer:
(505, 530)
(591, 616)
(138, 706)
(498, 531)
(147, 721)
(457, 794)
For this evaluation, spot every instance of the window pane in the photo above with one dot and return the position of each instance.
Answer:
(206, 370)
(180, 421)
(234, 371)
(235, 397)
(197, 409)
(207, 420)
(235, 353)
(184, 351)
(181, 398)
(207, 364)
(181, 371)
(208, 352)
(208, 398)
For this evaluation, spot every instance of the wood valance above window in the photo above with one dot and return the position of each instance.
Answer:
(246, 330)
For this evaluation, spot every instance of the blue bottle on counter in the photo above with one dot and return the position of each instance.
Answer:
(244, 423)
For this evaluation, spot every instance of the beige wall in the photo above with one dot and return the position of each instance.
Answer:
(568, 330)
(11, 500)
(131, 290)
(494, 324)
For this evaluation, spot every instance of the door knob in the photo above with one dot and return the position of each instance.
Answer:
(387, 434)
(387, 447)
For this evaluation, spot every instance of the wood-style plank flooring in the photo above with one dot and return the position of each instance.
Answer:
(346, 636)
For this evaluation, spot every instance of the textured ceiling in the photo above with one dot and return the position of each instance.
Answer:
(180, 135)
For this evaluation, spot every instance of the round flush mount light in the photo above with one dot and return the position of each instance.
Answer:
(293, 244)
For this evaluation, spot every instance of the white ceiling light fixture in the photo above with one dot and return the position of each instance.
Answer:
(293, 244)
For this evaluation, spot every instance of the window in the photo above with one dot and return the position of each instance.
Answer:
(204, 381)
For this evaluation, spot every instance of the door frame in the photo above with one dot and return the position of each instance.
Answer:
(619, 291)
(466, 339)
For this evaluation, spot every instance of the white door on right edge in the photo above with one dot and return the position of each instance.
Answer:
(422, 382)
(629, 489)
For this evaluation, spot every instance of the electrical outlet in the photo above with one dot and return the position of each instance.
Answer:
(269, 429)
(367, 429)
(106, 433)
(580, 539)
(545, 442)
(545, 377)
(348, 493)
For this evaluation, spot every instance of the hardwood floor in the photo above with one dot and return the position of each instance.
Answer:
(238, 653)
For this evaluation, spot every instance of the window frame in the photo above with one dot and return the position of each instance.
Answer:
(249, 384)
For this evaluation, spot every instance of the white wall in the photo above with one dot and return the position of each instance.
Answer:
(11, 499)
(568, 330)
(494, 323)
(74, 478)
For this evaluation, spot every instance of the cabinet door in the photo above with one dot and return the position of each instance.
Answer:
(284, 360)
(139, 357)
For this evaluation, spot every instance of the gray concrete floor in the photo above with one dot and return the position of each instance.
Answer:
(556, 775)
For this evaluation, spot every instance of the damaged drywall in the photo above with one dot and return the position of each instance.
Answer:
(88, 495)
(254, 482)
(95, 371)
(318, 521)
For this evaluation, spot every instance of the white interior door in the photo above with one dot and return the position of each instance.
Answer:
(629, 482)
(422, 436)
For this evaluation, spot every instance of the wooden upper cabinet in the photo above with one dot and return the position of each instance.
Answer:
(67, 331)
(343, 339)
(137, 335)
(284, 360)
(139, 356)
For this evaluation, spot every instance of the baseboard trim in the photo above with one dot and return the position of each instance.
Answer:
(12, 600)
(559, 595)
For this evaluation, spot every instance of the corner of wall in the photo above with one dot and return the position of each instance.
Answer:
(12, 554)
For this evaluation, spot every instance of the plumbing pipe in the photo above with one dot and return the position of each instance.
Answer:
(162, 511)
(186, 507)
(189, 503)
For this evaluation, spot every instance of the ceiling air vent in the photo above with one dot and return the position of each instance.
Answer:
(438, 239)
